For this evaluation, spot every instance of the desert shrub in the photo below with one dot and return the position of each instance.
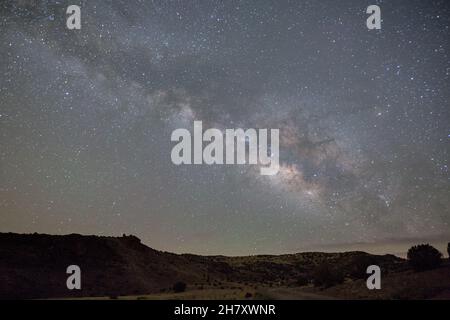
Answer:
(359, 266)
(424, 257)
(325, 276)
(302, 280)
(179, 286)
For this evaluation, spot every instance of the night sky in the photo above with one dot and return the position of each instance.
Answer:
(364, 116)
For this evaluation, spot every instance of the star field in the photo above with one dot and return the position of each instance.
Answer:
(364, 117)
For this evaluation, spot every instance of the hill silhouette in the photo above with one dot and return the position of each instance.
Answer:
(34, 266)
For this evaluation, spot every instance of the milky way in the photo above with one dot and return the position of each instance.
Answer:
(364, 117)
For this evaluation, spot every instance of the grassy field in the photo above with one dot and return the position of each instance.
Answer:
(193, 294)
(432, 284)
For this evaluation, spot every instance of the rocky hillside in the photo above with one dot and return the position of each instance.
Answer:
(34, 266)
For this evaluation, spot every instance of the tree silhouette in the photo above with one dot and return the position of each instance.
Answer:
(448, 250)
(424, 257)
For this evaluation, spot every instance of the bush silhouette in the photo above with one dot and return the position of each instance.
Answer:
(424, 257)
(448, 250)
(302, 280)
(359, 266)
(179, 286)
(325, 276)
